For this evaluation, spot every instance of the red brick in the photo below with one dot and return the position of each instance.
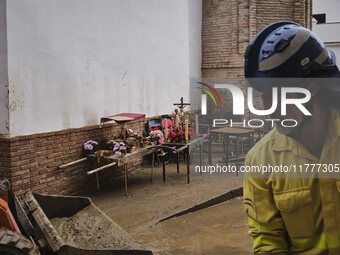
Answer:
(21, 172)
(29, 166)
(20, 162)
(25, 156)
(20, 153)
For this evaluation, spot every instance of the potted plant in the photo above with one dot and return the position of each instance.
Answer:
(119, 148)
(90, 146)
(177, 135)
(144, 141)
(157, 136)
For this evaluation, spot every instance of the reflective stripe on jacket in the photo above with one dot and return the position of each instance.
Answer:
(294, 215)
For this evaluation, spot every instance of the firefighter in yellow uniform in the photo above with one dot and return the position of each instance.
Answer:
(289, 215)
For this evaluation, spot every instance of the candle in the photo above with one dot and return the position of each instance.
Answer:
(166, 129)
(186, 131)
(177, 121)
(196, 124)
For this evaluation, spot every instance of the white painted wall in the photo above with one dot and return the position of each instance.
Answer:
(330, 35)
(71, 62)
(330, 7)
(329, 32)
(195, 38)
(4, 129)
(195, 17)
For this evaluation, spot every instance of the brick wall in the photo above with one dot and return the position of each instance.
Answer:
(30, 162)
(227, 28)
(229, 25)
(5, 158)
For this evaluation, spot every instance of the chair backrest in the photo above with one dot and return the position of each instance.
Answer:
(153, 124)
(203, 129)
(163, 118)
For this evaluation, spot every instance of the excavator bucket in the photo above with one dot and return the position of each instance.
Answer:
(75, 226)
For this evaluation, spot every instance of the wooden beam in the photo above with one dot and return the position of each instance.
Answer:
(101, 168)
(71, 163)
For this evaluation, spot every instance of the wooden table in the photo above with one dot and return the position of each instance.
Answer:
(123, 161)
(228, 131)
(257, 130)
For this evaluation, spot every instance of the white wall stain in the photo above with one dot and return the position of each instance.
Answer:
(13, 106)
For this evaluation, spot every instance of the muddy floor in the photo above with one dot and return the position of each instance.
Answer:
(221, 229)
(216, 230)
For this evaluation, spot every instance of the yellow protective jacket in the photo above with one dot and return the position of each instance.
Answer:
(294, 215)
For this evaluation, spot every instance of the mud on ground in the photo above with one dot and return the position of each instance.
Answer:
(221, 229)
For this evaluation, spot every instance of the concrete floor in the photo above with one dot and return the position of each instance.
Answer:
(221, 229)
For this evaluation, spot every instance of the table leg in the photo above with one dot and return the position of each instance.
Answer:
(209, 150)
(125, 179)
(97, 177)
(227, 151)
(201, 157)
(252, 139)
(188, 166)
(236, 148)
(164, 171)
(242, 147)
(177, 162)
(153, 163)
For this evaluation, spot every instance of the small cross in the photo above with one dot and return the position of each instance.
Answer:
(181, 105)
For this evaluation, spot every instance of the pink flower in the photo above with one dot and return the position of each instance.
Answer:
(88, 147)
(116, 147)
(170, 124)
(118, 153)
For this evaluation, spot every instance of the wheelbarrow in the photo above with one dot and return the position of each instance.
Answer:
(68, 225)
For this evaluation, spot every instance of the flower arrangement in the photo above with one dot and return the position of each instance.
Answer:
(90, 146)
(131, 142)
(170, 123)
(157, 136)
(144, 141)
(117, 147)
(177, 135)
